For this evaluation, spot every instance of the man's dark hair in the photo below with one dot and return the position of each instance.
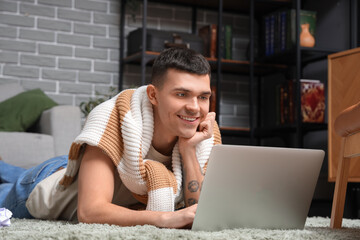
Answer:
(182, 59)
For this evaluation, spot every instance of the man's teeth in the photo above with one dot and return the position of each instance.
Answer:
(188, 118)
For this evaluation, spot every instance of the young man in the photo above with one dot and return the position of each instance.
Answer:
(148, 145)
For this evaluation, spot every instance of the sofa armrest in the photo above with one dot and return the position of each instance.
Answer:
(64, 124)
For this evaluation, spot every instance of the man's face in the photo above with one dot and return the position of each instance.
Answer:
(182, 103)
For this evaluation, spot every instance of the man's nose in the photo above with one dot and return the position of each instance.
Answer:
(193, 105)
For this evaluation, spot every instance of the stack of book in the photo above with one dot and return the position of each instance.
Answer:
(312, 102)
(209, 35)
(279, 30)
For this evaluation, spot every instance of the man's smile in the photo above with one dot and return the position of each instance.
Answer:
(190, 119)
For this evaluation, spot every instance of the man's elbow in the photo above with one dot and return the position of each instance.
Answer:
(85, 215)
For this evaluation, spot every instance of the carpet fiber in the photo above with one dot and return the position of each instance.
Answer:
(315, 228)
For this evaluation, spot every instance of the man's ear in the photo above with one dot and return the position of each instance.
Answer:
(151, 93)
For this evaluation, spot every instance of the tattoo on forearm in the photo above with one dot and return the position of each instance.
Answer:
(193, 186)
(191, 201)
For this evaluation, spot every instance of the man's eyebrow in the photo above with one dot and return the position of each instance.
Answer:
(187, 90)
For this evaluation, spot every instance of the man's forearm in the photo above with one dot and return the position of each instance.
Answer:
(116, 215)
(192, 177)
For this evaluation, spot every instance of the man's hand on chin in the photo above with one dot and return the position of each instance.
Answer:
(205, 131)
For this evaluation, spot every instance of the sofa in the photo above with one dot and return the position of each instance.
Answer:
(51, 135)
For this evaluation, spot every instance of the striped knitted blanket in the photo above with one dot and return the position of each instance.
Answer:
(123, 128)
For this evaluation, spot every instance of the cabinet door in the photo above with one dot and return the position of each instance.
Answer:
(344, 91)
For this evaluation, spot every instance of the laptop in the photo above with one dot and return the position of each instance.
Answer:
(257, 187)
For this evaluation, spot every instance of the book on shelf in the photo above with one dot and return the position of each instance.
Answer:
(227, 48)
(209, 35)
(285, 112)
(312, 101)
(279, 30)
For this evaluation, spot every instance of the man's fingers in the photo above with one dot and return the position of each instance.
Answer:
(211, 115)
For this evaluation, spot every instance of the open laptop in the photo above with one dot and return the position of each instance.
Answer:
(257, 187)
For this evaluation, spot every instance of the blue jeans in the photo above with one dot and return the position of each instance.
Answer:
(17, 183)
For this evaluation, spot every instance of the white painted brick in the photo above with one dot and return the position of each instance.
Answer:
(91, 5)
(91, 53)
(17, 20)
(40, 61)
(37, 10)
(106, 66)
(106, 43)
(55, 50)
(74, 39)
(21, 71)
(74, 64)
(89, 29)
(17, 45)
(114, 32)
(43, 85)
(94, 77)
(115, 7)
(109, 19)
(54, 25)
(9, 80)
(8, 6)
(114, 55)
(58, 75)
(62, 99)
(62, 3)
(7, 32)
(75, 88)
(74, 15)
(8, 57)
(37, 35)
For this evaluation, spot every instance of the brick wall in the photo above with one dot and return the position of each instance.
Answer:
(70, 48)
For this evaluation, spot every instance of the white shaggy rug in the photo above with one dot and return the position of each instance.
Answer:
(315, 228)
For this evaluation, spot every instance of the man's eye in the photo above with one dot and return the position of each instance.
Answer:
(204, 98)
(180, 94)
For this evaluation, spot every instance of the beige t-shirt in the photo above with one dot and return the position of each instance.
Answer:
(46, 202)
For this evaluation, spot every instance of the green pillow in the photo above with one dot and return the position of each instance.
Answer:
(20, 112)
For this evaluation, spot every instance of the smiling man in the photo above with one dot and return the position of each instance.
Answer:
(140, 158)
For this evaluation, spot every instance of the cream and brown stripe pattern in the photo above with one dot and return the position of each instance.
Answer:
(123, 128)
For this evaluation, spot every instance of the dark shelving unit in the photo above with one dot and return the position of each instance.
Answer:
(254, 68)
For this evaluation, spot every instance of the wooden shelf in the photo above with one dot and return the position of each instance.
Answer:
(289, 128)
(307, 55)
(227, 65)
(235, 131)
(272, 131)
